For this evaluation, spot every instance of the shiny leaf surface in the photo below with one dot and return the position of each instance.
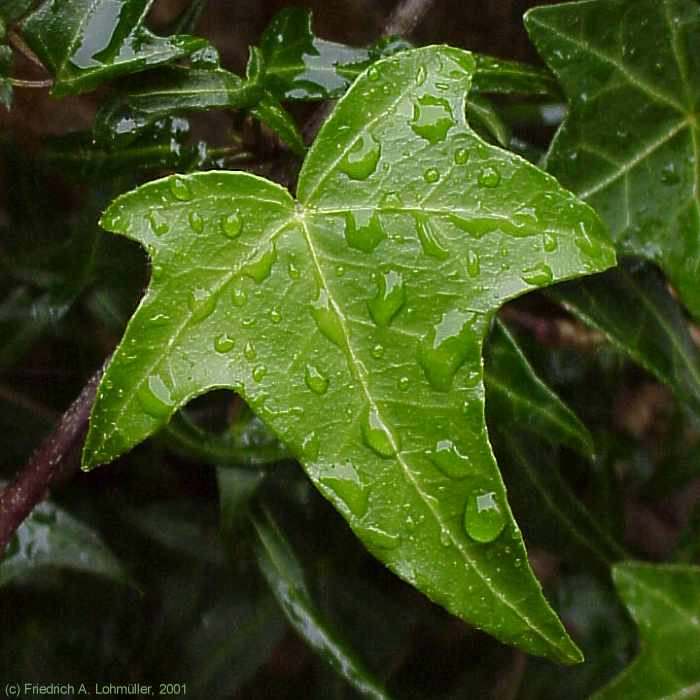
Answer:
(5, 84)
(88, 42)
(664, 601)
(630, 145)
(381, 281)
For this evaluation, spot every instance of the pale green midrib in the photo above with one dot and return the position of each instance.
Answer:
(300, 68)
(165, 350)
(168, 93)
(490, 378)
(355, 368)
(571, 525)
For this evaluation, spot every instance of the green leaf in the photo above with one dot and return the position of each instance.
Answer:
(630, 144)
(271, 113)
(516, 396)
(380, 283)
(237, 486)
(632, 307)
(50, 537)
(5, 84)
(12, 10)
(284, 575)
(664, 601)
(482, 113)
(495, 75)
(85, 43)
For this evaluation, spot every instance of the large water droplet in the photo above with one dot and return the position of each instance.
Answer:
(196, 222)
(259, 373)
(431, 175)
(483, 517)
(364, 230)
(432, 118)
(155, 397)
(539, 274)
(391, 200)
(260, 268)
(489, 177)
(157, 222)
(361, 160)
(232, 225)
(275, 315)
(473, 263)
(461, 156)
(239, 297)
(377, 435)
(180, 189)
(201, 303)
(449, 460)
(390, 297)
(315, 380)
(344, 480)
(377, 351)
(549, 242)
(430, 239)
(249, 351)
(327, 319)
(445, 349)
(224, 343)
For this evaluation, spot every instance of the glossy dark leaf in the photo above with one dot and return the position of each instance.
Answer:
(664, 601)
(630, 144)
(495, 75)
(12, 10)
(85, 43)
(269, 111)
(482, 113)
(237, 486)
(633, 308)
(517, 398)
(5, 84)
(284, 575)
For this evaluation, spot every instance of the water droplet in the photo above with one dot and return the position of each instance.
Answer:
(339, 271)
(376, 434)
(364, 230)
(310, 447)
(430, 239)
(249, 351)
(374, 536)
(489, 177)
(224, 343)
(373, 74)
(420, 75)
(196, 222)
(377, 351)
(315, 380)
(327, 319)
(432, 118)
(201, 303)
(449, 460)
(404, 383)
(549, 242)
(157, 222)
(259, 373)
(232, 225)
(483, 518)
(275, 315)
(431, 175)
(669, 175)
(473, 263)
(155, 397)
(180, 189)
(361, 160)
(389, 299)
(461, 156)
(260, 268)
(539, 274)
(293, 270)
(391, 200)
(445, 349)
(344, 480)
(239, 297)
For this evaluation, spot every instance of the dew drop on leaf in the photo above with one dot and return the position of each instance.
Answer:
(275, 315)
(260, 268)
(201, 303)
(259, 373)
(449, 460)
(361, 160)
(377, 351)
(389, 299)
(364, 230)
(293, 271)
(155, 397)
(391, 200)
(473, 263)
(315, 380)
(432, 118)
(489, 177)
(327, 319)
(539, 274)
(232, 225)
(239, 297)
(549, 242)
(196, 222)
(445, 349)
(180, 189)
(429, 238)
(404, 383)
(376, 435)
(158, 224)
(224, 343)
(344, 480)
(461, 156)
(249, 351)
(483, 517)
(431, 175)
(373, 74)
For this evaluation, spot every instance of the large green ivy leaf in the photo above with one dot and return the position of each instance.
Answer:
(665, 603)
(352, 322)
(88, 42)
(630, 145)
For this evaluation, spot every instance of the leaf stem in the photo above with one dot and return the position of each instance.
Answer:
(29, 486)
(17, 82)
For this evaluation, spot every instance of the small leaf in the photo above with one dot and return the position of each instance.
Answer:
(284, 575)
(371, 283)
(50, 537)
(269, 111)
(495, 75)
(482, 113)
(85, 43)
(630, 144)
(517, 397)
(632, 307)
(664, 601)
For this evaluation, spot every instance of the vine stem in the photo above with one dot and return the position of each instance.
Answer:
(17, 82)
(30, 485)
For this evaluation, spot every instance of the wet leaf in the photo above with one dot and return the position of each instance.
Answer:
(5, 84)
(12, 10)
(664, 601)
(495, 75)
(85, 43)
(629, 145)
(380, 282)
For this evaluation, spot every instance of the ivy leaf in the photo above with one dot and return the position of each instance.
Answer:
(518, 397)
(379, 283)
(5, 84)
(85, 43)
(12, 10)
(495, 75)
(630, 144)
(664, 601)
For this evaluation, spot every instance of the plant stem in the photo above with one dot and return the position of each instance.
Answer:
(407, 15)
(17, 82)
(29, 486)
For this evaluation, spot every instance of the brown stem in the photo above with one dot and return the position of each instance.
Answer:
(38, 84)
(30, 485)
(19, 44)
(407, 15)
